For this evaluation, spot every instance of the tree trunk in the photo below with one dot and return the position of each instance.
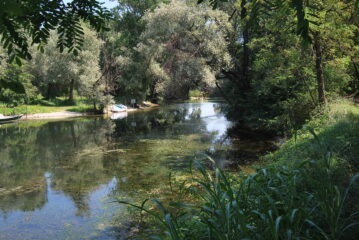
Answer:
(319, 68)
(356, 70)
(71, 90)
(246, 51)
(94, 105)
(49, 93)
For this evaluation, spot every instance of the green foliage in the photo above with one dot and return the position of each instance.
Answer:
(31, 21)
(282, 85)
(118, 51)
(15, 84)
(12, 86)
(6, 82)
(196, 93)
(58, 73)
(183, 47)
(156, 49)
(337, 127)
(129, 19)
(303, 11)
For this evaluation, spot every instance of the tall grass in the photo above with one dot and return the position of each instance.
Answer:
(274, 203)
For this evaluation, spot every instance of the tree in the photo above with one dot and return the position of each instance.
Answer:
(126, 26)
(60, 73)
(285, 78)
(183, 47)
(302, 9)
(328, 28)
(129, 19)
(31, 21)
(15, 83)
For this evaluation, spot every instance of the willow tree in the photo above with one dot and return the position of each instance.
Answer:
(183, 47)
(62, 73)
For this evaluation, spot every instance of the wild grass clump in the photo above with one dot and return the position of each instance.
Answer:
(309, 189)
(274, 203)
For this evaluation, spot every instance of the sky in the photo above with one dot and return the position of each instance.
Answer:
(107, 3)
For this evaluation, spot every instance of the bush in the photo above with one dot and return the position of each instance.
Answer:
(18, 75)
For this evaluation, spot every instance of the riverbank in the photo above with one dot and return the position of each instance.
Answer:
(334, 130)
(62, 112)
(55, 115)
(308, 189)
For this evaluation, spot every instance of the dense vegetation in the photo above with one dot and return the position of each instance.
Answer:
(253, 55)
(278, 65)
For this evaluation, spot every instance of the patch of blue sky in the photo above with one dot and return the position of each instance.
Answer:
(106, 3)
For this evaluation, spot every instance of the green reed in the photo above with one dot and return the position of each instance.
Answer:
(275, 203)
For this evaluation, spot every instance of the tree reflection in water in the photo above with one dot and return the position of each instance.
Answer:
(42, 160)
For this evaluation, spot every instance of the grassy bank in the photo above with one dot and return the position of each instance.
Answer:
(337, 130)
(306, 190)
(47, 106)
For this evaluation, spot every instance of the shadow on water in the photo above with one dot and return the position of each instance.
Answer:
(59, 178)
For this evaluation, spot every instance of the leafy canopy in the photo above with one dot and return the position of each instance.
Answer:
(24, 20)
(183, 47)
(303, 9)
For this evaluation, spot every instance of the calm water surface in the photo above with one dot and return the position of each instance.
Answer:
(58, 179)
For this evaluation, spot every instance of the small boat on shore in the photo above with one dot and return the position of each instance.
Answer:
(118, 108)
(9, 118)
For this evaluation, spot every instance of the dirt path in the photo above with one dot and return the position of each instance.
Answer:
(55, 115)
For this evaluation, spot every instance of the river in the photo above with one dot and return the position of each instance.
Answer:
(59, 179)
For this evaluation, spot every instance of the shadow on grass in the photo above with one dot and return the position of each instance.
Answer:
(59, 102)
(341, 139)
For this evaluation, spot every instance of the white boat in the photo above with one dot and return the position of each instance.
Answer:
(118, 108)
(9, 118)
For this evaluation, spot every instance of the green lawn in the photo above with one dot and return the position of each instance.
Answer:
(45, 106)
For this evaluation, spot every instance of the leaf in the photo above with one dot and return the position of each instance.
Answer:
(18, 61)
(75, 52)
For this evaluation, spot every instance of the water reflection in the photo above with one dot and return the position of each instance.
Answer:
(58, 178)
